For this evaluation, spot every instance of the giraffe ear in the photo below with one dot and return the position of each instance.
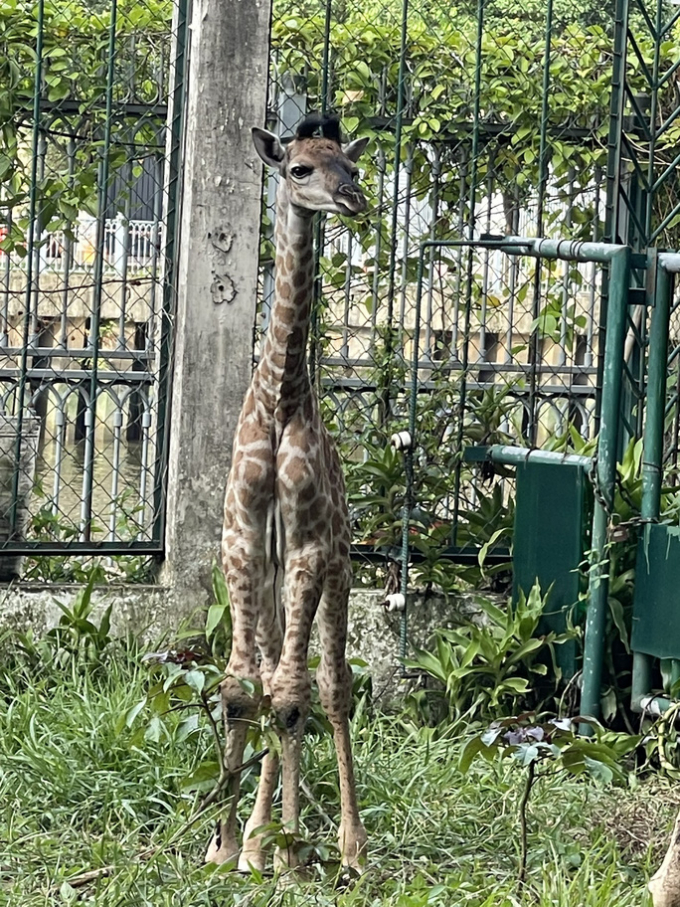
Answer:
(354, 150)
(268, 147)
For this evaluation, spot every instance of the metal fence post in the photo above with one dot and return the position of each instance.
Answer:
(598, 580)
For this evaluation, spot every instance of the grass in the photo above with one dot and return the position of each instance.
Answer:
(78, 793)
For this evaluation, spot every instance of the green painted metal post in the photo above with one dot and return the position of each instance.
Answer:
(598, 581)
(652, 457)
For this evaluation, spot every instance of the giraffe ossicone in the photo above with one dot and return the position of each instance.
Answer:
(286, 536)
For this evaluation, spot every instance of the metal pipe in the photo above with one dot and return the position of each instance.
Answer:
(641, 680)
(605, 476)
(519, 456)
(652, 457)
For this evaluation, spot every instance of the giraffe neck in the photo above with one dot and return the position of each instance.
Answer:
(283, 365)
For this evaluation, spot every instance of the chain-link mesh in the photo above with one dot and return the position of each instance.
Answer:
(492, 121)
(88, 180)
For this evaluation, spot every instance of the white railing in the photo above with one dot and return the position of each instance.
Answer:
(130, 247)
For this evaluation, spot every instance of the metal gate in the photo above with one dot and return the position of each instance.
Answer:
(91, 116)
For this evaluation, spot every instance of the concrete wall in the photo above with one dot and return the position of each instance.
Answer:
(156, 613)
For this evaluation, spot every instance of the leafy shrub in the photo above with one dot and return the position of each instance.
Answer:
(487, 670)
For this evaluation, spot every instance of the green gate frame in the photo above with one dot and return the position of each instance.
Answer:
(618, 259)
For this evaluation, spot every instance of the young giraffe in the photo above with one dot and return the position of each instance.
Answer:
(286, 537)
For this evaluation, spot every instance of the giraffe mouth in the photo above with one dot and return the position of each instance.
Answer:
(351, 209)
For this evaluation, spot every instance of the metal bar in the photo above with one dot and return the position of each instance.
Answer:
(514, 272)
(91, 414)
(172, 202)
(68, 252)
(117, 427)
(614, 139)
(347, 297)
(401, 77)
(49, 548)
(375, 289)
(319, 226)
(36, 252)
(651, 155)
(60, 431)
(74, 376)
(33, 218)
(403, 279)
(534, 339)
(79, 353)
(481, 4)
(459, 259)
(566, 279)
(4, 336)
(670, 72)
(669, 25)
(434, 208)
(598, 579)
(481, 352)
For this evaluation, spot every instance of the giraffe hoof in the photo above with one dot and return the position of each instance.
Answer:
(353, 847)
(251, 860)
(222, 852)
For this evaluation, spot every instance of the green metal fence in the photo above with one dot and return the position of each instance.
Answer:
(554, 120)
(90, 115)
(493, 122)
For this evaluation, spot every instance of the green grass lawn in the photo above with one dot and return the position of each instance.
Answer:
(78, 793)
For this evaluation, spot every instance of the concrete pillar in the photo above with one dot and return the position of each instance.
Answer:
(217, 282)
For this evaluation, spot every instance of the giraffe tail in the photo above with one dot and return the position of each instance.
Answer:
(275, 545)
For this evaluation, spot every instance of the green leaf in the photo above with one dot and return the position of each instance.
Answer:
(195, 680)
(526, 753)
(203, 777)
(67, 893)
(214, 619)
(472, 748)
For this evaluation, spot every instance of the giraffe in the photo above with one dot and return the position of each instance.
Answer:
(286, 535)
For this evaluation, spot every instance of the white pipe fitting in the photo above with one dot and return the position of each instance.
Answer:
(401, 440)
(395, 602)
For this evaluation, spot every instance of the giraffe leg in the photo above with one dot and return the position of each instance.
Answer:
(269, 646)
(291, 688)
(240, 701)
(334, 679)
(253, 855)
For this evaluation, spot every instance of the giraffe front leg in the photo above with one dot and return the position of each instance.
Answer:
(240, 691)
(269, 645)
(291, 689)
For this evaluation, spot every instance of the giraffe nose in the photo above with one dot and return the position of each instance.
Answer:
(350, 196)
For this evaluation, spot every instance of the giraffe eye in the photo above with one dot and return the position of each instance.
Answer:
(299, 171)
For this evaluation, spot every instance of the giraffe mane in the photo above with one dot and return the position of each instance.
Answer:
(320, 124)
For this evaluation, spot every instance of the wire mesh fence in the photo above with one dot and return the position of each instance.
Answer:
(492, 122)
(88, 197)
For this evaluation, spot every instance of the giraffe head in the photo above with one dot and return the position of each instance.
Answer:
(320, 171)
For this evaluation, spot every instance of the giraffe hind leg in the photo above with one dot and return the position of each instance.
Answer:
(334, 679)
